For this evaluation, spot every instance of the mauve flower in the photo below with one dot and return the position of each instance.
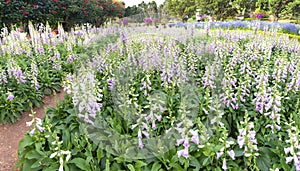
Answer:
(10, 97)
(288, 159)
(180, 141)
(146, 134)
(186, 143)
(32, 132)
(111, 84)
(41, 129)
(139, 134)
(241, 141)
(141, 145)
(224, 166)
(29, 123)
(153, 125)
(231, 154)
(184, 152)
(195, 137)
(287, 150)
(159, 117)
(219, 154)
(252, 135)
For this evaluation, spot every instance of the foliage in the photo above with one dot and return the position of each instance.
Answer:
(222, 9)
(175, 99)
(67, 12)
(274, 7)
(292, 10)
(143, 9)
(219, 8)
(181, 8)
(31, 68)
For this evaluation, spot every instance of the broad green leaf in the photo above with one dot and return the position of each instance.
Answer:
(194, 162)
(156, 166)
(80, 163)
(25, 142)
(263, 163)
(140, 164)
(130, 167)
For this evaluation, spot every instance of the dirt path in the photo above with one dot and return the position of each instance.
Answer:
(11, 134)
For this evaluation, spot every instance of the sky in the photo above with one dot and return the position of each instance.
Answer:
(136, 2)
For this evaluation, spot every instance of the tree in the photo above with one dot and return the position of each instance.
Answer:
(219, 8)
(181, 8)
(67, 12)
(142, 11)
(275, 7)
(244, 6)
(292, 10)
(133, 10)
(152, 7)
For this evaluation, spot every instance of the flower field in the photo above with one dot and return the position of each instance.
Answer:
(144, 98)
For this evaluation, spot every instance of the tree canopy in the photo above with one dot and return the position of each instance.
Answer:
(223, 9)
(68, 12)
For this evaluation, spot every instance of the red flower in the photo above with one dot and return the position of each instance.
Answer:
(22, 7)
(54, 0)
(86, 14)
(58, 5)
(86, 1)
(53, 12)
(7, 1)
(35, 6)
(64, 8)
(25, 13)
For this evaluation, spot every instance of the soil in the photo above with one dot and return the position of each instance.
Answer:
(11, 134)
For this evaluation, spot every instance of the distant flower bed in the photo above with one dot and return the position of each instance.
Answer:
(262, 25)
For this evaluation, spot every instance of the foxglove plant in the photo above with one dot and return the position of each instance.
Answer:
(59, 153)
(224, 151)
(86, 97)
(184, 128)
(293, 150)
(34, 76)
(3, 77)
(274, 103)
(247, 140)
(36, 122)
(15, 71)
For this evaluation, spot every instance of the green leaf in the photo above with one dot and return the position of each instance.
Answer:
(80, 163)
(140, 164)
(194, 162)
(33, 155)
(37, 164)
(205, 161)
(156, 166)
(263, 163)
(47, 91)
(130, 167)
(239, 152)
(25, 142)
(27, 165)
(99, 154)
(52, 167)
